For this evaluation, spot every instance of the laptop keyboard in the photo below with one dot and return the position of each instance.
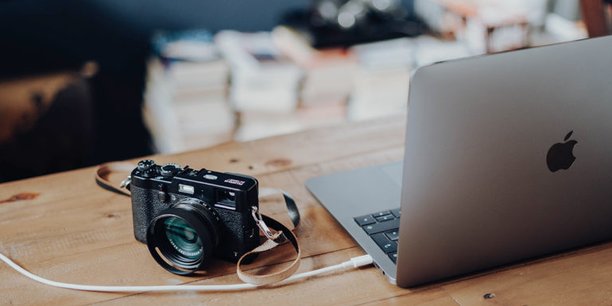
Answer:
(383, 228)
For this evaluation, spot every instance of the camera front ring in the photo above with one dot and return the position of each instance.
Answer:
(180, 241)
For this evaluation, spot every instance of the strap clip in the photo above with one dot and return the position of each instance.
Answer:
(126, 183)
(276, 236)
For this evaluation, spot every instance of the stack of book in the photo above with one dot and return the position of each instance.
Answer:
(280, 85)
(185, 99)
(328, 73)
(381, 82)
(262, 78)
(202, 90)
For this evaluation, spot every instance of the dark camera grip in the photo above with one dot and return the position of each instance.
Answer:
(144, 208)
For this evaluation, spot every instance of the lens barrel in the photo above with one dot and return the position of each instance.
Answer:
(183, 237)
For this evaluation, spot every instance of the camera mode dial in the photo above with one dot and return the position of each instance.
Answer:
(145, 165)
(169, 170)
(147, 168)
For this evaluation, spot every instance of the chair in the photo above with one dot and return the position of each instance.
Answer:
(46, 124)
(595, 15)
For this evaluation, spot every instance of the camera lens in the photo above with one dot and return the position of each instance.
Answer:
(183, 237)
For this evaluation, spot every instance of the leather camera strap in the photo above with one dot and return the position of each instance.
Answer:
(104, 171)
(281, 235)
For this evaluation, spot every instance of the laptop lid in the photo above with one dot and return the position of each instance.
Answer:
(508, 157)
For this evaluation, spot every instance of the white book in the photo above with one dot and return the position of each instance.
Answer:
(262, 78)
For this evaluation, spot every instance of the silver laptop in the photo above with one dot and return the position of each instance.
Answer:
(507, 157)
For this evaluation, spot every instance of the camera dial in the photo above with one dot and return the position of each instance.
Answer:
(183, 237)
(145, 165)
(169, 170)
(147, 168)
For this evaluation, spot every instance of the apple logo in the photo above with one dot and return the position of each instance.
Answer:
(561, 155)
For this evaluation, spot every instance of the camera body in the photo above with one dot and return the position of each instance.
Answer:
(222, 200)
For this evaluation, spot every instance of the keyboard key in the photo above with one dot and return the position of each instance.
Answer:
(365, 220)
(381, 213)
(382, 227)
(396, 212)
(393, 235)
(384, 243)
(384, 218)
(393, 256)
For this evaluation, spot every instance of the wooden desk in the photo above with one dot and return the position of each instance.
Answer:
(71, 230)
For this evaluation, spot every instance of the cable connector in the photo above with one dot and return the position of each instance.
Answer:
(360, 261)
(357, 262)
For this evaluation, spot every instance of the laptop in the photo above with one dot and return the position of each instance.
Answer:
(508, 157)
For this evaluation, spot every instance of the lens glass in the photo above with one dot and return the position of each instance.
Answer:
(183, 238)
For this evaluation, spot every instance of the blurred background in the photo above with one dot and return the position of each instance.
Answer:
(88, 81)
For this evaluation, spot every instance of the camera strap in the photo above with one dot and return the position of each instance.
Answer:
(105, 170)
(275, 232)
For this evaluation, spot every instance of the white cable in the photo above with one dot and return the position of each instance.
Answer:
(354, 262)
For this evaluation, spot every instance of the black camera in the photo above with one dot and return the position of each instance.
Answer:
(186, 216)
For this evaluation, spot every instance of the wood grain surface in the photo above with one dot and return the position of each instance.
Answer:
(64, 227)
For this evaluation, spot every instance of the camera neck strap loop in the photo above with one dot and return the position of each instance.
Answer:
(271, 235)
(104, 171)
(274, 238)
(292, 210)
(275, 232)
